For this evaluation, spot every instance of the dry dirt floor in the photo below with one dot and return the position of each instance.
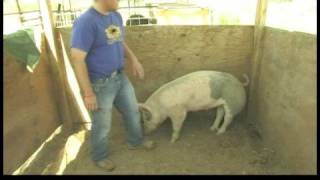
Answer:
(198, 151)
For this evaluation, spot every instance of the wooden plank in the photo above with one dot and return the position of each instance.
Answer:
(50, 35)
(45, 10)
(15, 13)
(259, 30)
(19, 9)
(40, 14)
(260, 21)
(72, 116)
(30, 110)
(53, 11)
(72, 91)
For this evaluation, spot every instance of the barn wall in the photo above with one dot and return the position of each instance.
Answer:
(168, 52)
(30, 110)
(285, 97)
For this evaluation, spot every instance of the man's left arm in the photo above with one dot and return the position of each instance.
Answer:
(135, 66)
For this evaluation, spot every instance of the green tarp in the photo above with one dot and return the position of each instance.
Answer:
(22, 46)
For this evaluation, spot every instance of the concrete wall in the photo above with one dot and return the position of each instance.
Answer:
(30, 110)
(285, 101)
(168, 52)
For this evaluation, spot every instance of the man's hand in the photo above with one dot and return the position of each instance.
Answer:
(136, 68)
(90, 102)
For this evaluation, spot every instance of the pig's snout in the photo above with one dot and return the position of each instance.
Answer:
(146, 132)
(148, 128)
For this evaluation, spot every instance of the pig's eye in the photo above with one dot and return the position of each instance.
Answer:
(145, 113)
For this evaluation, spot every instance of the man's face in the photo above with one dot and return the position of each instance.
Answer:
(110, 5)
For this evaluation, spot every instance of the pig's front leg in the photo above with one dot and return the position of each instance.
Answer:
(177, 117)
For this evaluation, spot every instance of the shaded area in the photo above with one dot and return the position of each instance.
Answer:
(285, 98)
(49, 158)
(30, 108)
(54, 155)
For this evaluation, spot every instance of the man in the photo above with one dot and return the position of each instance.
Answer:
(97, 53)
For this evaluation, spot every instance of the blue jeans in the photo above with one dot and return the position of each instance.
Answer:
(117, 91)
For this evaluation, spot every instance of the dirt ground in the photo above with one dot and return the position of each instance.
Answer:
(198, 151)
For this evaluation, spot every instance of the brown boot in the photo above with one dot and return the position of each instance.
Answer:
(147, 145)
(106, 164)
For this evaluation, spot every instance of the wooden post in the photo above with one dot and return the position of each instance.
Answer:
(260, 21)
(259, 30)
(55, 61)
(70, 4)
(20, 12)
(40, 17)
(48, 26)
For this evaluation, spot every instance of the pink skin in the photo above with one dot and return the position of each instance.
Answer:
(107, 5)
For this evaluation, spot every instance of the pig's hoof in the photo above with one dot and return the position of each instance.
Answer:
(213, 129)
(220, 131)
(173, 140)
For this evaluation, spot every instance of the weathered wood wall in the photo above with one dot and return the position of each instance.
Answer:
(30, 109)
(284, 105)
(46, 88)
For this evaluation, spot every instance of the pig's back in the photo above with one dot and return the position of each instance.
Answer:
(194, 90)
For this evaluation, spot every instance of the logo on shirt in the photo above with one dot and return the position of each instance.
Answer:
(113, 33)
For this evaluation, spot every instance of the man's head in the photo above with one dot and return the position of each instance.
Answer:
(107, 5)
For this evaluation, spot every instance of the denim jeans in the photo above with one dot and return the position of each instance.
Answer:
(117, 91)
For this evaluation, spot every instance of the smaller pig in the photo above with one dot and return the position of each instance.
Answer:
(201, 90)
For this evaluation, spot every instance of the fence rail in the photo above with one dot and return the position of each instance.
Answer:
(66, 17)
(61, 18)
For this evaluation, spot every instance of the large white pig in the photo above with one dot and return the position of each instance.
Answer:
(196, 91)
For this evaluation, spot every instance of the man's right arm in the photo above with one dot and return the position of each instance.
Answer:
(79, 65)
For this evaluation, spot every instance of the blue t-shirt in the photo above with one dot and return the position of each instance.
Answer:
(101, 37)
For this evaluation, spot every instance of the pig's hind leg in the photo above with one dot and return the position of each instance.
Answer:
(177, 118)
(217, 121)
(227, 120)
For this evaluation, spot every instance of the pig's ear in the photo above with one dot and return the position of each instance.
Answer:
(145, 110)
(144, 107)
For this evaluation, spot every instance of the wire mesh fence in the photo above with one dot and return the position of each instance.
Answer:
(65, 18)
(65, 13)
(283, 14)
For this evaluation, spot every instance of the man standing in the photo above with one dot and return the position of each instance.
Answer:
(97, 53)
